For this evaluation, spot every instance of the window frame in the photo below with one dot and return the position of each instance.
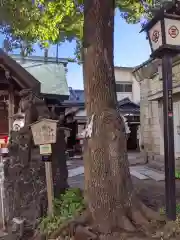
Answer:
(123, 86)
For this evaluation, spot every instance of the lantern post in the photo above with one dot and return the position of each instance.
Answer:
(163, 32)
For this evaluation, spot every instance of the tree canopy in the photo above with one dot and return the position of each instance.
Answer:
(54, 21)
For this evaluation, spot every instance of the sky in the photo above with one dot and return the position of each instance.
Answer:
(130, 49)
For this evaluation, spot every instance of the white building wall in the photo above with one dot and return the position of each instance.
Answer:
(135, 91)
(176, 118)
(124, 75)
(151, 117)
(81, 113)
(120, 96)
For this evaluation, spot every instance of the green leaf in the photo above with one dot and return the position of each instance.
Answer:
(51, 22)
(68, 205)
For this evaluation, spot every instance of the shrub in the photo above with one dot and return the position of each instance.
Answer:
(177, 174)
(68, 205)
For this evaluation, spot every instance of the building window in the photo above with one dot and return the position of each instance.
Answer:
(123, 87)
(119, 87)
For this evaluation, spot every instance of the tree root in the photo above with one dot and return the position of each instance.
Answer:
(127, 225)
(171, 229)
(141, 221)
(151, 214)
(150, 223)
(70, 226)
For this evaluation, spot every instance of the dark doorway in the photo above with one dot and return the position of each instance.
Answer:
(132, 143)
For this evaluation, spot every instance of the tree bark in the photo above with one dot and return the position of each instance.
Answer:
(108, 184)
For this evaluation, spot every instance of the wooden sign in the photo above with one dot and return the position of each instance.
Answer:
(44, 131)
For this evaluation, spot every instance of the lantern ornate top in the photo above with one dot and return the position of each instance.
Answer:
(163, 30)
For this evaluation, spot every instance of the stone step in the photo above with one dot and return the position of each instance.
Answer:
(138, 175)
(76, 171)
(156, 165)
(154, 175)
(144, 171)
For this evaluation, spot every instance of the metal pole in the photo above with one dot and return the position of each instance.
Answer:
(169, 156)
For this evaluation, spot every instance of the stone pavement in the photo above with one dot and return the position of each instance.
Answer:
(143, 172)
(138, 169)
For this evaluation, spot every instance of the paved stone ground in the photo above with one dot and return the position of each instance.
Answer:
(137, 168)
(150, 191)
(136, 158)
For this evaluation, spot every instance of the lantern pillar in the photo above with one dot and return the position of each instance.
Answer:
(163, 32)
(170, 185)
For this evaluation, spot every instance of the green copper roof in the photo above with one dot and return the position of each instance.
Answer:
(51, 75)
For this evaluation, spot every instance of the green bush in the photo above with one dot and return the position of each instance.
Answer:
(72, 203)
(68, 205)
(177, 174)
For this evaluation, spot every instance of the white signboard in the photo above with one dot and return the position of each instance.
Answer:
(172, 28)
(45, 149)
(156, 36)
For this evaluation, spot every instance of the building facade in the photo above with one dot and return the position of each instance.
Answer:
(128, 96)
(126, 84)
(149, 75)
(126, 87)
(45, 77)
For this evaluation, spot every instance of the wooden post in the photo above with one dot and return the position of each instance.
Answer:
(49, 184)
(11, 108)
(44, 134)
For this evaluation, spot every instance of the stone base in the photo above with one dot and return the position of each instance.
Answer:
(24, 182)
(156, 161)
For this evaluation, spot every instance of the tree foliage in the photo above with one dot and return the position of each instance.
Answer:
(54, 21)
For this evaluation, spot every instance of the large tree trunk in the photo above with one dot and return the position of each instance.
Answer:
(108, 184)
